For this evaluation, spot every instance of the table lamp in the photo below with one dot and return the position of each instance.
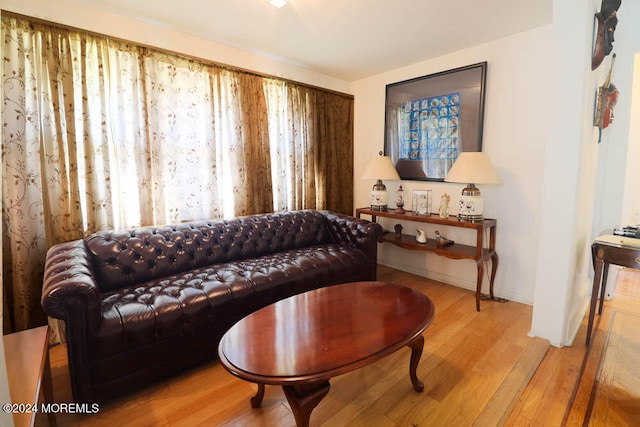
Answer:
(379, 168)
(472, 168)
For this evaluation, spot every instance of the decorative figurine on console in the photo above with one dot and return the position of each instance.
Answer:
(398, 228)
(400, 201)
(422, 236)
(442, 241)
(444, 205)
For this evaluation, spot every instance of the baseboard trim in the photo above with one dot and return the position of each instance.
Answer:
(460, 282)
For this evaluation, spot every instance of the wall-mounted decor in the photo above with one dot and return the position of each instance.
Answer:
(606, 99)
(430, 120)
(605, 25)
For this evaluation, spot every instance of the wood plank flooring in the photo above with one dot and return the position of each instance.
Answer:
(563, 392)
(478, 369)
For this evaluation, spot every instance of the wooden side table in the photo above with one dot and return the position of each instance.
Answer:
(29, 374)
(609, 249)
(479, 253)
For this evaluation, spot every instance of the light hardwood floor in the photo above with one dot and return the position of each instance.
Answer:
(479, 368)
(564, 389)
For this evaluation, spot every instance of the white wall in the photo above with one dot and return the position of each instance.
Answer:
(562, 280)
(591, 181)
(516, 117)
(631, 199)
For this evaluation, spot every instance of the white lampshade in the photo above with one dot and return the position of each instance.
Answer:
(379, 168)
(472, 168)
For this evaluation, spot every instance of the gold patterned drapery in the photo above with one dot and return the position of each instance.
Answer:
(104, 134)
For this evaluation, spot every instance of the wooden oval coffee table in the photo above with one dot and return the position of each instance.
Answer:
(303, 341)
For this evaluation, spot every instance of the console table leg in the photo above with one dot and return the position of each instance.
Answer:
(599, 261)
(256, 400)
(479, 283)
(603, 285)
(303, 398)
(494, 269)
(416, 353)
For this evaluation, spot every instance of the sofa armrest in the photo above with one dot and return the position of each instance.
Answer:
(69, 290)
(354, 231)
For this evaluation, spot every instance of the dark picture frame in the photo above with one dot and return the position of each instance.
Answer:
(430, 120)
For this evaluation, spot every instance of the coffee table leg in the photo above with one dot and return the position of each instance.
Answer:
(303, 398)
(416, 353)
(256, 400)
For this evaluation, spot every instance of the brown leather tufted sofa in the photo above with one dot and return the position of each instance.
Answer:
(143, 303)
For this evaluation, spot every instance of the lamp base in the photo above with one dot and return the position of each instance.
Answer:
(470, 218)
(471, 205)
(378, 197)
(380, 208)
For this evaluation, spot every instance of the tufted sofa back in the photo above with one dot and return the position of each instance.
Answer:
(127, 257)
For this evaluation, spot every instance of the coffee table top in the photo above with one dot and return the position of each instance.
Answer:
(325, 332)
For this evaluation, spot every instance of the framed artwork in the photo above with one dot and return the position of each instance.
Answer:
(429, 120)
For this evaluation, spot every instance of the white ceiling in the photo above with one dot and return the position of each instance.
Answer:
(346, 39)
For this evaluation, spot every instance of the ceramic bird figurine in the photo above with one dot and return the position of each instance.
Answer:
(422, 236)
(441, 240)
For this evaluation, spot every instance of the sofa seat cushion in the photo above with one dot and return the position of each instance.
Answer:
(137, 316)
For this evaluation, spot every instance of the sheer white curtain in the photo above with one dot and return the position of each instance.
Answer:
(294, 146)
(311, 136)
(282, 149)
(183, 153)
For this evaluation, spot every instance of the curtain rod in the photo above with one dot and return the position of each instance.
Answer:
(4, 12)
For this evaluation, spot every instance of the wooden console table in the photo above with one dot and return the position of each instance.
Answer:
(609, 249)
(478, 253)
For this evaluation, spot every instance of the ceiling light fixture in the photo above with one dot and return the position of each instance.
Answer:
(278, 3)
